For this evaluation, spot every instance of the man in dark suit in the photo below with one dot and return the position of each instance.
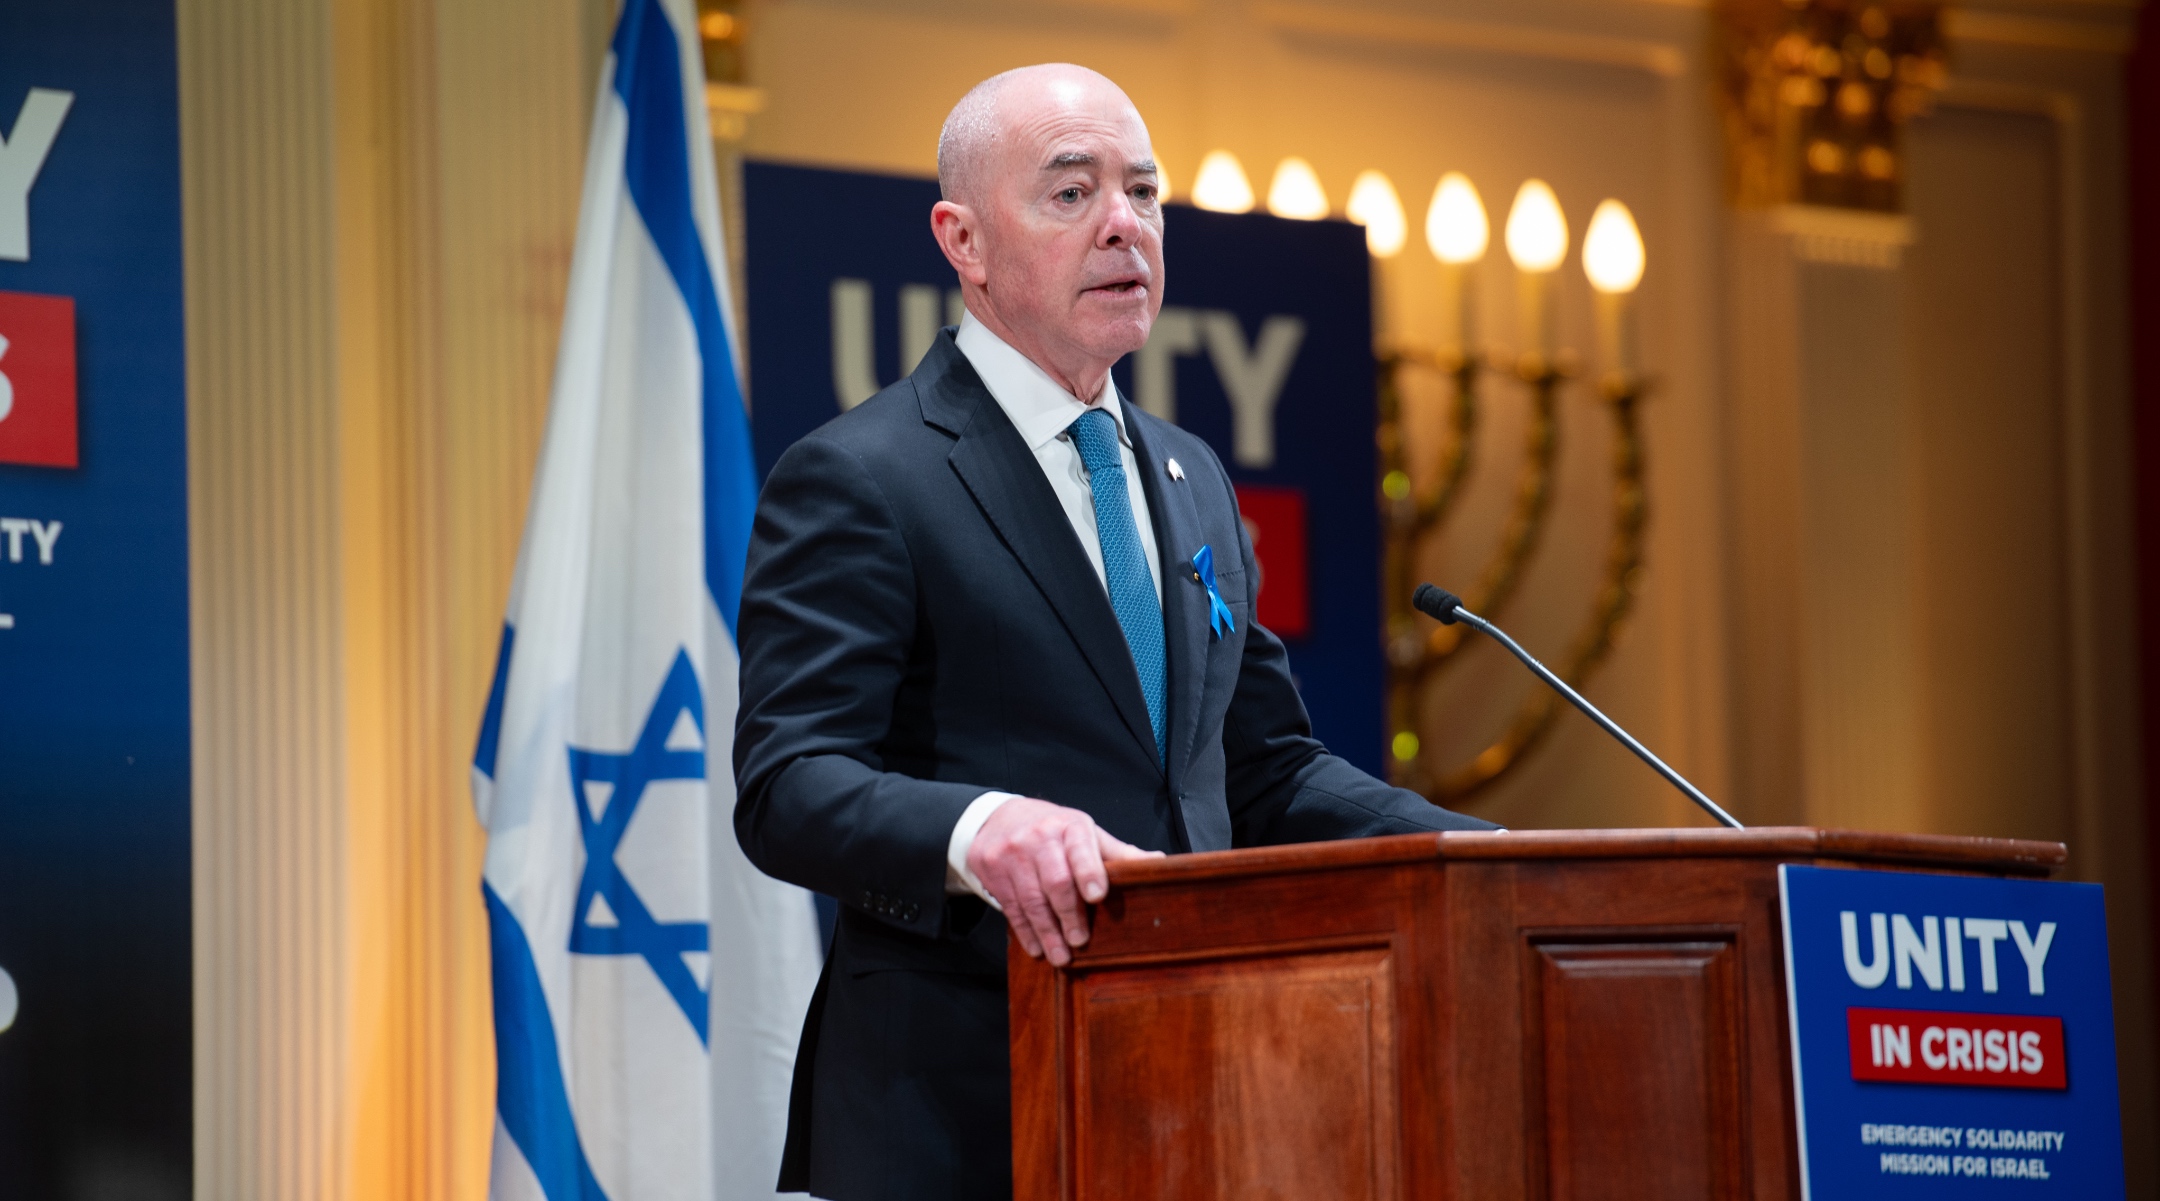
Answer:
(997, 629)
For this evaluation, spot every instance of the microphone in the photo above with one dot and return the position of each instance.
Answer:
(1447, 608)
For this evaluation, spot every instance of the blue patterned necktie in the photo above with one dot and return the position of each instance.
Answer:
(1125, 569)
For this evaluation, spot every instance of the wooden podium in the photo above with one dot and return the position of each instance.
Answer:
(1578, 1014)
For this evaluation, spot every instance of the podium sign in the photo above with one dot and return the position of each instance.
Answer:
(1950, 1035)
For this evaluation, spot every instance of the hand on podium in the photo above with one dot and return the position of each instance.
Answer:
(1043, 864)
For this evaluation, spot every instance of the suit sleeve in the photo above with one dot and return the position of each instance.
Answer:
(828, 619)
(1283, 784)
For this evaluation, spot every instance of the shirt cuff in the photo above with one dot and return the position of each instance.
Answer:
(958, 879)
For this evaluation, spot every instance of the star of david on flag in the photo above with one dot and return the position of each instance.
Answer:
(649, 983)
(611, 918)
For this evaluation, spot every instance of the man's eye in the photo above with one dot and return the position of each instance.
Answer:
(1144, 192)
(1070, 195)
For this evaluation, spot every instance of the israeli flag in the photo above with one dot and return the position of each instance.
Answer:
(649, 983)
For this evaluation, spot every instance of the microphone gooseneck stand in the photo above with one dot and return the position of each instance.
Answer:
(1447, 608)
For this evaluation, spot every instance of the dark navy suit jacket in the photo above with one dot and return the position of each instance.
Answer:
(919, 625)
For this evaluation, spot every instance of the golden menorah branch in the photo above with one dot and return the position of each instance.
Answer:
(1502, 573)
(1593, 641)
(1409, 514)
(1413, 659)
(1411, 517)
(1417, 648)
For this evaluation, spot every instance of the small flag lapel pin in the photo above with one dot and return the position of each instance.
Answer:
(1176, 472)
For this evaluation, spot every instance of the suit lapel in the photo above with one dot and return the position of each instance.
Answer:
(1008, 485)
(1178, 535)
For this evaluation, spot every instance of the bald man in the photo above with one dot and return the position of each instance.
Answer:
(981, 656)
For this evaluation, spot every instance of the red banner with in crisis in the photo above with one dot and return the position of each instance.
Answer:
(1275, 520)
(37, 380)
(1993, 1050)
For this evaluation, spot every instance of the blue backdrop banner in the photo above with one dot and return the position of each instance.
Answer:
(1952, 1036)
(1263, 348)
(94, 935)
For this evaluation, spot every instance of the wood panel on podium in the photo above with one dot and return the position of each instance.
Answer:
(1527, 1015)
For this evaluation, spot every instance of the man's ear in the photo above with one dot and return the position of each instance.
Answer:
(959, 235)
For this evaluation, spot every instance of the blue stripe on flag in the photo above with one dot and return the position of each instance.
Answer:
(491, 721)
(649, 76)
(529, 1091)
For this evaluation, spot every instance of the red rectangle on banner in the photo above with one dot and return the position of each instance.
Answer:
(1993, 1050)
(37, 380)
(1275, 521)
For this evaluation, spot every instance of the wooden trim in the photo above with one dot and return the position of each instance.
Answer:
(2006, 855)
(1382, 938)
(1039, 1165)
(1261, 861)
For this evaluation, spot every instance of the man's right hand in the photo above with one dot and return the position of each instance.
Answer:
(1044, 864)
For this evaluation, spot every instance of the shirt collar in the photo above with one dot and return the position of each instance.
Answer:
(1039, 408)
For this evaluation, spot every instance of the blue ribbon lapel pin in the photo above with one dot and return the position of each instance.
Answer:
(1220, 619)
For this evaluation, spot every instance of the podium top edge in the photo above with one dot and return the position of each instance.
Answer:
(1940, 852)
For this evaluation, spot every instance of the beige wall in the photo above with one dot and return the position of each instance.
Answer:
(380, 196)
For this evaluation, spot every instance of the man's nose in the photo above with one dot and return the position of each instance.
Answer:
(1121, 225)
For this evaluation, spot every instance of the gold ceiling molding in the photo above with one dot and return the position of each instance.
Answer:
(723, 31)
(1844, 237)
(1816, 94)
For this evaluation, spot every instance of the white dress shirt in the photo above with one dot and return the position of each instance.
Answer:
(1043, 411)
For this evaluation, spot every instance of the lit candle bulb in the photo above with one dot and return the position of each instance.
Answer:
(1296, 191)
(1612, 254)
(1222, 186)
(1537, 240)
(1374, 205)
(1456, 231)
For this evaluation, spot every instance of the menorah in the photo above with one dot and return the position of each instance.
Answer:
(1419, 649)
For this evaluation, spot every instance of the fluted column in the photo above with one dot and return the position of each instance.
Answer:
(271, 977)
(1830, 706)
(380, 199)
